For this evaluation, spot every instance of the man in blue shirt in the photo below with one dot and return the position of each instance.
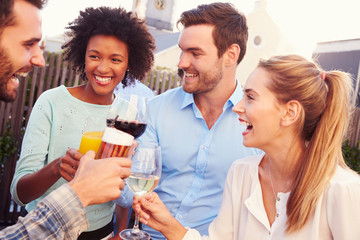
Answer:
(198, 133)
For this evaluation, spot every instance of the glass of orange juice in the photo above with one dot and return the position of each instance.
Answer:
(92, 134)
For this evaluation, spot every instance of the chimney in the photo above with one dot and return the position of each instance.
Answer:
(260, 5)
(139, 6)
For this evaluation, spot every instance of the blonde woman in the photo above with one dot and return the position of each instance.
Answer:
(300, 188)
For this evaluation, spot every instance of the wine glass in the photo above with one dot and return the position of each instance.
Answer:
(128, 114)
(145, 175)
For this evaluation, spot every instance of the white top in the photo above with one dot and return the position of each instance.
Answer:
(242, 214)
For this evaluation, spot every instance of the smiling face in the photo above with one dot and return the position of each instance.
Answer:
(19, 48)
(260, 111)
(106, 62)
(202, 69)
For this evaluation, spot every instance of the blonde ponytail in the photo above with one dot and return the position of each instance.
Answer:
(326, 101)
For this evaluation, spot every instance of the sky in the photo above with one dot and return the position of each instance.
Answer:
(303, 22)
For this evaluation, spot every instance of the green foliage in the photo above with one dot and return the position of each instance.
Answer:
(352, 155)
(8, 144)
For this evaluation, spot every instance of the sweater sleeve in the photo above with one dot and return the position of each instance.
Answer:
(35, 144)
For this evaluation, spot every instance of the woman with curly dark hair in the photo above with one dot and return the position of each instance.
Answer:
(111, 22)
(106, 46)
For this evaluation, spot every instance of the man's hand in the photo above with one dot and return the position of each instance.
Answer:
(100, 181)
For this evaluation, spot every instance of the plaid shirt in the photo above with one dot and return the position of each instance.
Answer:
(58, 216)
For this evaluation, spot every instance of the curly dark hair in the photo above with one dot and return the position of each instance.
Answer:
(125, 26)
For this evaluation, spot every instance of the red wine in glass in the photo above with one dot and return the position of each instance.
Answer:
(135, 129)
(128, 114)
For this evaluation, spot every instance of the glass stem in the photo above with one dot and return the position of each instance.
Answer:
(136, 223)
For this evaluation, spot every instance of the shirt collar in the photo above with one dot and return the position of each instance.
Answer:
(234, 98)
(188, 99)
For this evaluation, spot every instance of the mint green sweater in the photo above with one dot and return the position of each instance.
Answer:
(55, 125)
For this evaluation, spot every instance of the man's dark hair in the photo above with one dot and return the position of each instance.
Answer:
(125, 26)
(230, 25)
(6, 11)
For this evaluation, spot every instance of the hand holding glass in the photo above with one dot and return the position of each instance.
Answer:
(146, 169)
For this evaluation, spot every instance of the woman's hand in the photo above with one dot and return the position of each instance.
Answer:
(68, 164)
(153, 212)
(32, 186)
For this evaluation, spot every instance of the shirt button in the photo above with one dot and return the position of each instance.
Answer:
(180, 217)
(277, 215)
(277, 199)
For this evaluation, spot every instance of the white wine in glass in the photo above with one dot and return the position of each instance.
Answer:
(142, 183)
(146, 169)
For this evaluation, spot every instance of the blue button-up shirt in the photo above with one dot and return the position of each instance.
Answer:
(195, 159)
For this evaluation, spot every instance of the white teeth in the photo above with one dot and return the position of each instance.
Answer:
(22, 74)
(14, 79)
(245, 123)
(191, 75)
(103, 79)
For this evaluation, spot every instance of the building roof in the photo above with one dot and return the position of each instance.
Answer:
(341, 55)
(164, 39)
(338, 46)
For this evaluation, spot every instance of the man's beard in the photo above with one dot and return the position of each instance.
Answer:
(6, 69)
(207, 80)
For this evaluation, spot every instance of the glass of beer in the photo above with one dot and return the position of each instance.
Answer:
(92, 134)
(114, 143)
(146, 168)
